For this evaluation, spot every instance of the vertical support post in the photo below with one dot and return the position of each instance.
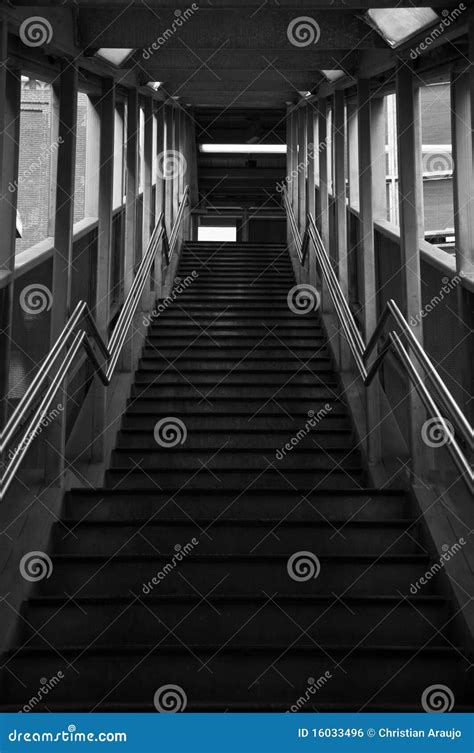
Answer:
(301, 167)
(10, 102)
(166, 157)
(104, 251)
(147, 191)
(411, 232)
(62, 254)
(294, 161)
(160, 191)
(130, 213)
(311, 196)
(367, 142)
(462, 93)
(324, 194)
(339, 141)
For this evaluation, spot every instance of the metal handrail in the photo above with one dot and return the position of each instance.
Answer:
(361, 352)
(110, 351)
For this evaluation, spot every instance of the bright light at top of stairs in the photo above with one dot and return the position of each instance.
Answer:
(243, 148)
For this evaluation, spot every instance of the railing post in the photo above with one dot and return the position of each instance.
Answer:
(130, 214)
(104, 251)
(62, 254)
(339, 141)
(10, 96)
(411, 233)
(365, 192)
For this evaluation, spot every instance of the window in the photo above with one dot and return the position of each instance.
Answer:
(217, 233)
(391, 158)
(437, 165)
(37, 164)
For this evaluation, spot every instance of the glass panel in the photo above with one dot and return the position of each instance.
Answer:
(207, 233)
(37, 164)
(398, 24)
(114, 55)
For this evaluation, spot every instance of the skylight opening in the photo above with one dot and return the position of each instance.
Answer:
(242, 148)
(115, 55)
(224, 234)
(333, 75)
(155, 85)
(396, 25)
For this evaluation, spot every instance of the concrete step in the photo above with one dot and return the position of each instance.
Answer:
(191, 385)
(170, 376)
(84, 575)
(251, 364)
(219, 330)
(235, 458)
(370, 621)
(263, 421)
(230, 478)
(271, 536)
(252, 439)
(305, 504)
(206, 673)
(251, 405)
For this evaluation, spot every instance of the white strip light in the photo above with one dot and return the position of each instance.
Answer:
(243, 148)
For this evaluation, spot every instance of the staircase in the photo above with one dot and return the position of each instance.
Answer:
(236, 550)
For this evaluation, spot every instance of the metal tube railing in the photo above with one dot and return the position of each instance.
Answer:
(362, 352)
(111, 350)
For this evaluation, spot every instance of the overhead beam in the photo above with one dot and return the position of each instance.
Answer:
(170, 60)
(211, 28)
(333, 5)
